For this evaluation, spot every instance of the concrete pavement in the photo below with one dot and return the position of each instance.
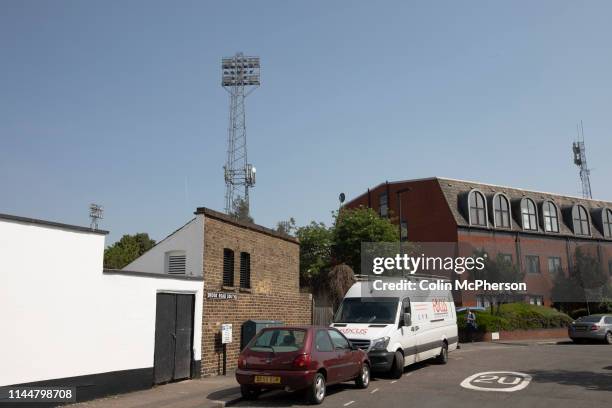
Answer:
(201, 393)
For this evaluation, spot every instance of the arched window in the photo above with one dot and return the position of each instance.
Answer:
(607, 222)
(501, 211)
(477, 208)
(581, 220)
(551, 217)
(528, 215)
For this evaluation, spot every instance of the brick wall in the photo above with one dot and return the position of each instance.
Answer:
(274, 293)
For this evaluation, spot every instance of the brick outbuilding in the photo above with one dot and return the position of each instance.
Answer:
(250, 273)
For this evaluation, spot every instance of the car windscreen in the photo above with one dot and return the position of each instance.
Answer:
(278, 340)
(367, 310)
(589, 319)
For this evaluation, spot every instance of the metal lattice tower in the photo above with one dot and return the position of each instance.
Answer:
(96, 212)
(580, 160)
(240, 77)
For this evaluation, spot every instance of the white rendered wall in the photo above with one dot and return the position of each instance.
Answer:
(190, 238)
(61, 316)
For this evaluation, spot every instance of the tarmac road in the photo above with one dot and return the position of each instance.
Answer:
(562, 375)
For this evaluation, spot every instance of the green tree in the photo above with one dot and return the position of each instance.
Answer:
(498, 270)
(128, 248)
(315, 249)
(354, 226)
(240, 210)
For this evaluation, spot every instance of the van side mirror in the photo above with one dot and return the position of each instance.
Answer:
(407, 319)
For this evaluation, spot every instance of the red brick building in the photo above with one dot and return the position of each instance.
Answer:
(537, 231)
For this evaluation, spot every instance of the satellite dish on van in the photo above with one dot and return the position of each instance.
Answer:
(342, 197)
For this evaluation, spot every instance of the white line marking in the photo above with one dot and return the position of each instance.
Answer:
(393, 382)
(374, 390)
(348, 403)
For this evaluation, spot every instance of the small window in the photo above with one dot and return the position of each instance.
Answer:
(528, 215)
(245, 270)
(607, 222)
(554, 265)
(486, 301)
(175, 262)
(551, 217)
(228, 267)
(506, 258)
(339, 341)
(608, 320)
(536, 300)
(610, 268)
(403, 231)
(581, 220)
(501, 211)
(383, 205)
(322, 341)
(532, 263)
(477, 208)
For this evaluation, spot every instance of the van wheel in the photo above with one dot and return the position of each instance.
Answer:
(398, 365)
(249, 392)
(442, 358)
(609, 337)
(363, 379)
(316, 392)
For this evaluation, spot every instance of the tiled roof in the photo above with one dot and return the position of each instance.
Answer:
(456, 190)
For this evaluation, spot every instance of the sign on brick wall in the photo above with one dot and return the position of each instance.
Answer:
(221, 295)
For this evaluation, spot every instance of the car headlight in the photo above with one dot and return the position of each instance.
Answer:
(380, 343)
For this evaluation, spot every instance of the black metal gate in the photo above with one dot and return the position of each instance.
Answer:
(173, 337)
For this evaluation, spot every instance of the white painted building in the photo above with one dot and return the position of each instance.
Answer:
(67, 321)
(180, 253)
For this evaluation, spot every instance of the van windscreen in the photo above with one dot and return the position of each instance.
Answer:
(370, 310)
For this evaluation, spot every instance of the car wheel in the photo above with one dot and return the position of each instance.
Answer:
(363, 379)
(398, 365)
(442, 358)
(609, 337)
(249, 392)
(316, 392)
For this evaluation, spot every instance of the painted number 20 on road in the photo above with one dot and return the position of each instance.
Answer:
(501, 381)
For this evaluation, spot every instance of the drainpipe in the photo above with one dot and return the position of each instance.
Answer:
(518, 251)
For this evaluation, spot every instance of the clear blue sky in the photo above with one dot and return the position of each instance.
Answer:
(120, 103)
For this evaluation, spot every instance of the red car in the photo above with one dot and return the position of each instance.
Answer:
(300, 358)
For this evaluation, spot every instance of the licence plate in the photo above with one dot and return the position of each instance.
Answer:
(267, 379)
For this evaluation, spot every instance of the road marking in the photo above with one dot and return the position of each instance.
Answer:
(393, 382)
(374, 390)
(348, 403)
(501, 381)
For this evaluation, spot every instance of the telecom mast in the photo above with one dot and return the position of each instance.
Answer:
(580, 160)
(96, 212)
(240, 77)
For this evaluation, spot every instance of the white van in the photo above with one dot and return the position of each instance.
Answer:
(399, 327)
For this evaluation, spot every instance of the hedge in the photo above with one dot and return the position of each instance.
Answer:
(517, 316)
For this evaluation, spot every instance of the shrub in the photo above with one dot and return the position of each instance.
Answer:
(518, 316)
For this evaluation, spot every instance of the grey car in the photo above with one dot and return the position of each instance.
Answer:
(593, 327)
